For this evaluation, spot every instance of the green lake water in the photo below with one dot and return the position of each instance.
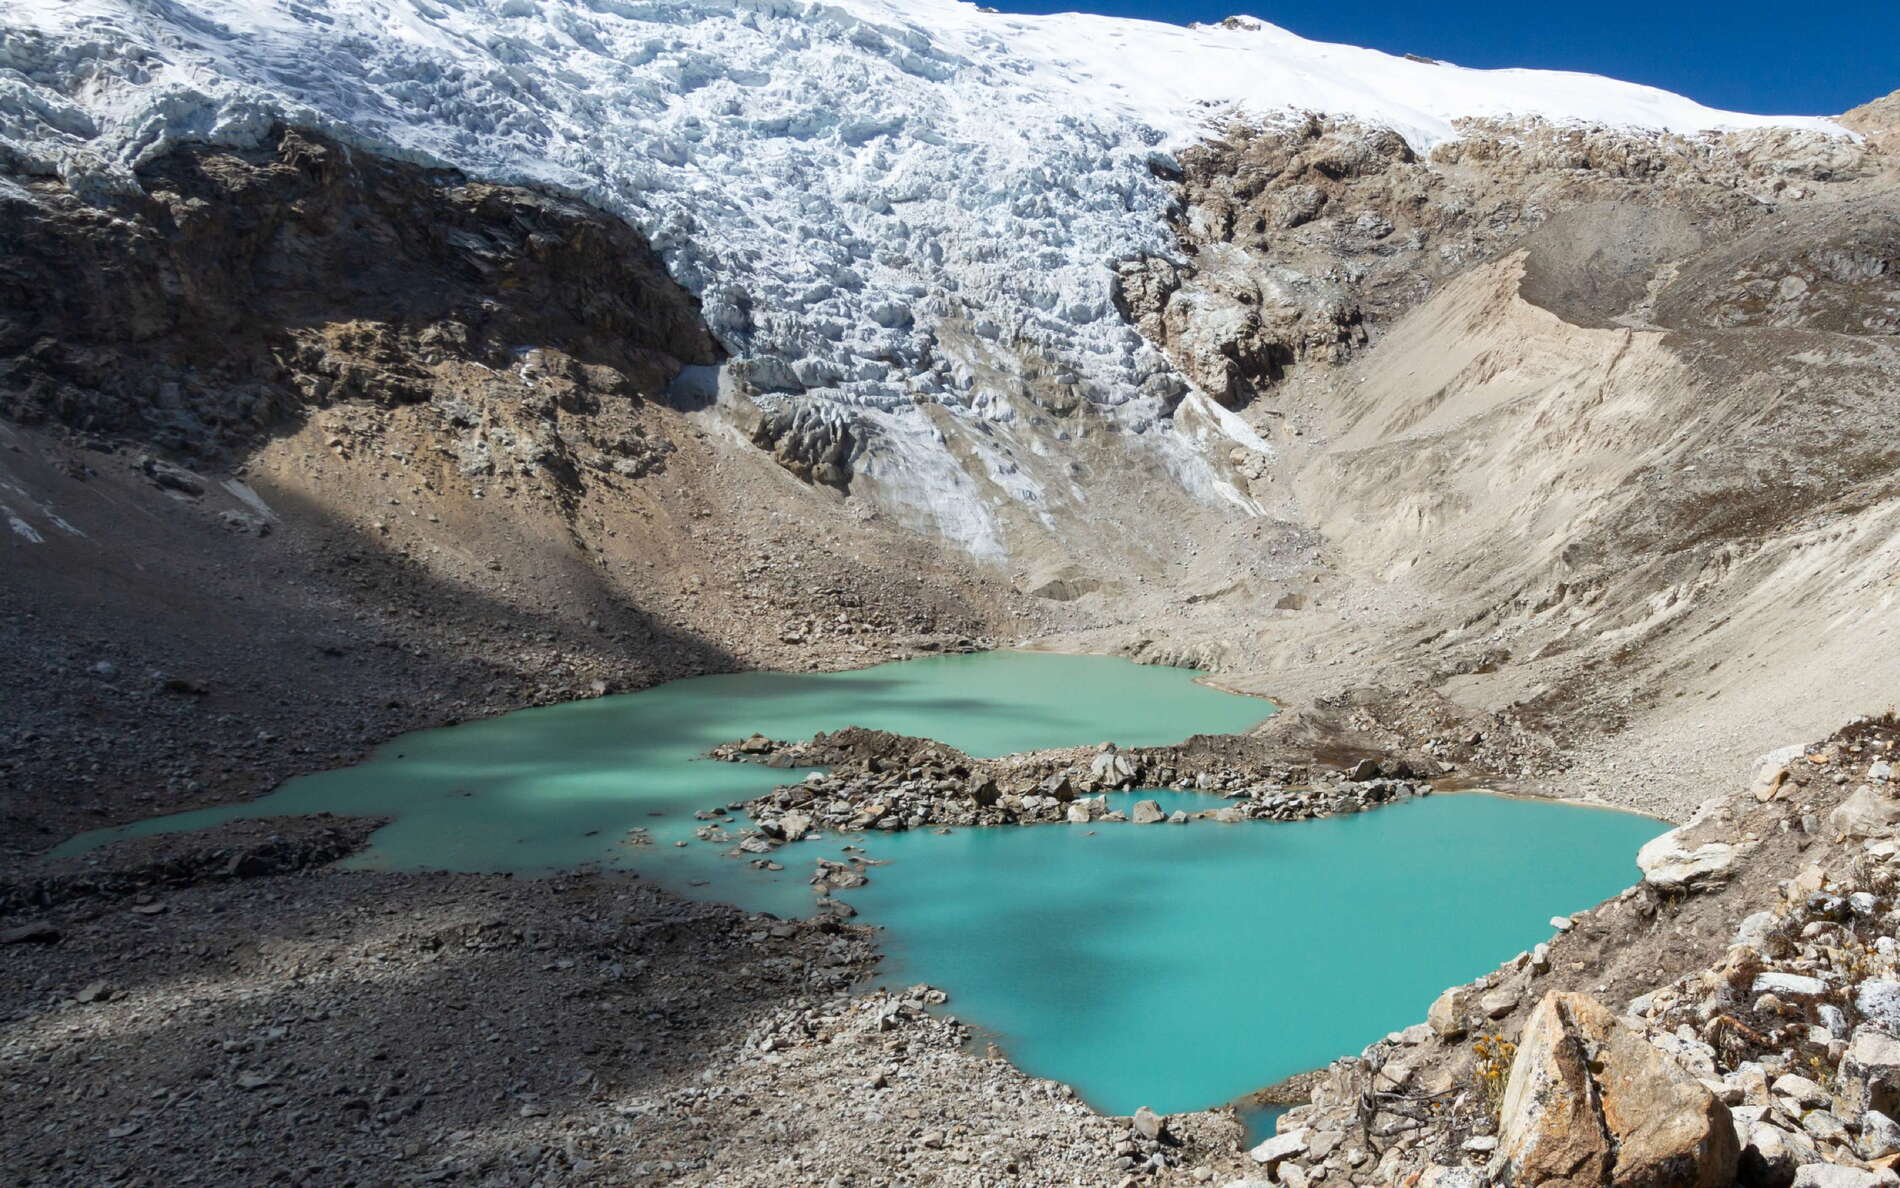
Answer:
(1172, 966)
(560, 786)
(1180, 966)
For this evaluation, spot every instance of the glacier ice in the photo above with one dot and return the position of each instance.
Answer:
(842, 183)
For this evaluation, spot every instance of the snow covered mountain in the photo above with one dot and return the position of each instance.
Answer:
(883, 205)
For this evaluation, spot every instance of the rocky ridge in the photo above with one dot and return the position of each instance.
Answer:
(879, 781)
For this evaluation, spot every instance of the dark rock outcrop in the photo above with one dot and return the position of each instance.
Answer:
(241, 288)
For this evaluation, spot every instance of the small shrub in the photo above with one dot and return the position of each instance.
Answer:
(1495, 1055)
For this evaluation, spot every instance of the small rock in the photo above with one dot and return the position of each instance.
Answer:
(1498, 1003)
(1869, 1076)
(1824, 1126)
(94, 992)
(1447, 1013)
(1829, 1175)
(1879, 1136)
(1786, 986)
(1767, 1161)
(1879, 1002)
(38, 932)
(1754, 929)
(1150, 1125)
(1801, 1089)
(1279, 1147)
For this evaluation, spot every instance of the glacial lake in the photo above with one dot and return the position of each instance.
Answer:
(1163, 965)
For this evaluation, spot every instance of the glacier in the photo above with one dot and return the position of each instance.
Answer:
(882, 205)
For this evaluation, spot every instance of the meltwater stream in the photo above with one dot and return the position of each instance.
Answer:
(1172, 966)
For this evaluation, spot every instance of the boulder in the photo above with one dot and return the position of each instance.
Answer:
(1879, 1136)
(1150, 1125)
(795, 825)
(1112, 769)
(1787, 986)
(1829, 1175)
(1147, 812)
(1754, 929)
(1771, 771)
(1767, 1161)
(1499, 1003)
(37, 932)
(1879, 1003)
(1592, 1102)
(1869, 1076)
(1802, 1090)
(1867, 813)
(1447, 1014)
(1669, 864)
(1279, 1147)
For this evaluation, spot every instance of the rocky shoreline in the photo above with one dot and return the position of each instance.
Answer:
(1744, 991)
(217, 1022)
(878, 781)
(1733, 1018)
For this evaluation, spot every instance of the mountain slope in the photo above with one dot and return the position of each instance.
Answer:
(1096, 306)
(880, 205)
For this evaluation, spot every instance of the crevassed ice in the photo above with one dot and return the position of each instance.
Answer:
(837, 181)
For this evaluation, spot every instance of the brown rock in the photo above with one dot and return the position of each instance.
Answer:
(1592, 1102)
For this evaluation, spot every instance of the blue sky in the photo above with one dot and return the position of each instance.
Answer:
(1777, 58)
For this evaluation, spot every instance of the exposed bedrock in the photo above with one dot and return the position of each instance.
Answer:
(1303, 240)
(1610, 459)
(239, 289)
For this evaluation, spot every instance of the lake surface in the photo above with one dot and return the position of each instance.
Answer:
(560, 786)
(1175, 966)
(1180, 966)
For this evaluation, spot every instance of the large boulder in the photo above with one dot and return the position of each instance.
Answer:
(1670, 864)
(1867, 813)
(1592, 1102)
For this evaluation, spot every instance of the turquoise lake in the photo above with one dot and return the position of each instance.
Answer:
(559, 786)
(1181, 966)
(1175, 966)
